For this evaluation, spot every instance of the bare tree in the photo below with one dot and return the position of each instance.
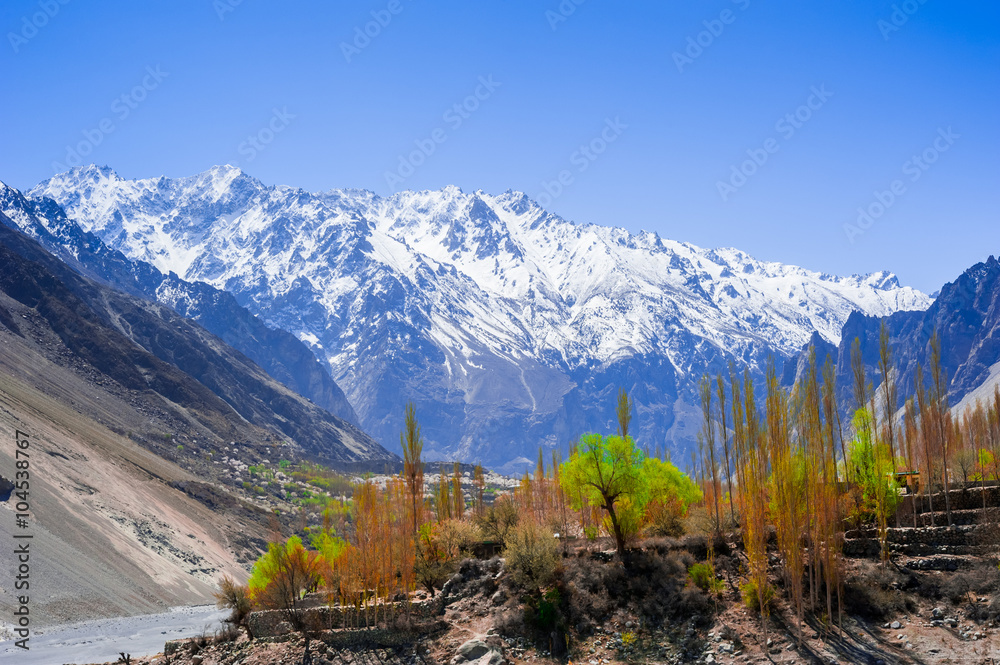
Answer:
(413, 466)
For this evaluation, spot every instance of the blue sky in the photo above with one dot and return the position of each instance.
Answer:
(759, 125)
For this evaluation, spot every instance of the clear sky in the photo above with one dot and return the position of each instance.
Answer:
(829, 101)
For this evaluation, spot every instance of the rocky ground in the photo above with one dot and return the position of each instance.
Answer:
(473, 625)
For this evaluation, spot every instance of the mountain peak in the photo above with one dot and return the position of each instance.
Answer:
(486, 309)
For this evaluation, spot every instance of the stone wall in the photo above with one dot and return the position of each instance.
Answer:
(274, 623)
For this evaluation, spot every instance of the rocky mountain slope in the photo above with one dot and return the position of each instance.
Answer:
(278, 352)
(113, 441)
(163, 360)
(508, 326)
(966, 314)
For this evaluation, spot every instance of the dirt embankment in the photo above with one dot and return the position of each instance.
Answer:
(111, 536)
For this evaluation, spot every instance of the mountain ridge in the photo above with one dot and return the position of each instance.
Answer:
(509, 326)
(966, 315)
(279, 353)
(150, 350)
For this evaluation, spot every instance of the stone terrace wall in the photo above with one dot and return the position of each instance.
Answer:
(273, 623)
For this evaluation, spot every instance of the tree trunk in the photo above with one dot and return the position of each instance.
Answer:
(619, 537)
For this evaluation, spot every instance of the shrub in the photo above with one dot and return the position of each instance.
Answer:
(457, 537)
(235, 597)
(653, 586)
(282, 574)
(665, 519)
(703, 576)
(432, 566)
(532, 556)
(875, 591)
(543, 612)
(498, 520)
(751, 596)
(228, 633)
(964, 587)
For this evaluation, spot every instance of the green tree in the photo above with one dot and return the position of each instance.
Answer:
(873, 468)
(624, 412)
(611, 472)
(283, 574)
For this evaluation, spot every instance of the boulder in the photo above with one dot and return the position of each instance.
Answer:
(477, 652)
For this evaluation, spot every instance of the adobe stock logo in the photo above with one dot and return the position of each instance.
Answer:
(565, 9)
(697, 44)
(914, 168)
(122, 107)
(257, 142)
(899, 17)
(455, 116)
(582, 159)
(364, 35)
(30, 25)
(787, 126)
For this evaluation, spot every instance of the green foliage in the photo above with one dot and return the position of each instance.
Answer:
(547, 613)
(284, 465)
(433, 565)
(872, 471)
(751, 598)
(986, 466)
(282, 574)
(612, 473)
(668, 483)
(329, 546)
(703, 577)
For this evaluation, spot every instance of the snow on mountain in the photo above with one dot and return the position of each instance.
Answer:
(507, 325)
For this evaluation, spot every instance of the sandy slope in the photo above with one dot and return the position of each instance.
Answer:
(111, 537)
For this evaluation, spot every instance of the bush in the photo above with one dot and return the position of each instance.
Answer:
(234, 597)
(498, 521)
(698, 545)
(543, 612)
(665, 520)
(653, 586)
(532, 556)
(703, 576)
(964, 587)
(433, 566)
(751, 597)
(876, 592)
(282, 574)
(457, 538)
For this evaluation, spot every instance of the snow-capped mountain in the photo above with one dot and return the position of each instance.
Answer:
(508, 326)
